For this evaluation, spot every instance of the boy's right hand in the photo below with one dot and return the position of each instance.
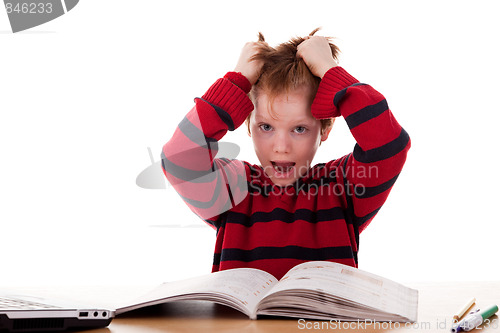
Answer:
(251, 69)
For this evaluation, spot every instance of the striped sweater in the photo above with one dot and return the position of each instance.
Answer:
(321, 215)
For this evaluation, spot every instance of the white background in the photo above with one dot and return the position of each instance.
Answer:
(83, 97)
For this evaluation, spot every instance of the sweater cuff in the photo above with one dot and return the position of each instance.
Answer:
(334, 80)
(230, 98)
(239, 80)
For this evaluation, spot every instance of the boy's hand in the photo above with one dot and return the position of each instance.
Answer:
(317, 54)
(250, 69)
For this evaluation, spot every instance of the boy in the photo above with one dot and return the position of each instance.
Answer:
(283, 212)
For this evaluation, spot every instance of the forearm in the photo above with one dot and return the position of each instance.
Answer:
(377, 133)
(188, 157)
(224, 106)
(381, 143)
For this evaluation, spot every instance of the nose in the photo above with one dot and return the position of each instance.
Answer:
(281, 143)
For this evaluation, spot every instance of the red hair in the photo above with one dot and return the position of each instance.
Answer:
(283, 71)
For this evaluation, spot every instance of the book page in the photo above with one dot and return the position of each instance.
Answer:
(350, 285)
(240, 288)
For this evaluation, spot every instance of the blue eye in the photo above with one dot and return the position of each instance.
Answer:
(300, 129)
(265, 127)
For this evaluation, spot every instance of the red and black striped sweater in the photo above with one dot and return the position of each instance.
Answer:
(321, 215)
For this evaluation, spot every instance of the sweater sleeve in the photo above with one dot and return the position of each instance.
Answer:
(368, 174)
(209, 185)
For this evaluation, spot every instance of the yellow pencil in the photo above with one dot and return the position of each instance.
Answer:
(464, 309)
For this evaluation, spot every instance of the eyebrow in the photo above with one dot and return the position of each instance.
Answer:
(299, 121)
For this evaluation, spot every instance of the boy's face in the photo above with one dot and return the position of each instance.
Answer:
(286, 138)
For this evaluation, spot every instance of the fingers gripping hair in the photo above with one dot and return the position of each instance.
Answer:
(283, 71)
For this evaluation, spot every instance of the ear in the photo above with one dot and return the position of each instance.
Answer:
(247, 122)
(326, 131)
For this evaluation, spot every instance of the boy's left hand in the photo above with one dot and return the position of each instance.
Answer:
(317, 54)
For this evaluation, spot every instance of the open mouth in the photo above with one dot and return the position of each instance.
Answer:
(282, 167)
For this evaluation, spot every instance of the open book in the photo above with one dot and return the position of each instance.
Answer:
(312, 290)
